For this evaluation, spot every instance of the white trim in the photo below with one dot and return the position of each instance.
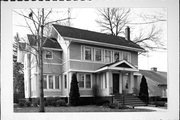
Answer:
(104, 44)
(84, 71)
(52, 63)
(55, 49)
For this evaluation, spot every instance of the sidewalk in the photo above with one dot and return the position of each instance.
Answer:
(153, 108)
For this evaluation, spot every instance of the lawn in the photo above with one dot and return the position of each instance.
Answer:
(90, 108)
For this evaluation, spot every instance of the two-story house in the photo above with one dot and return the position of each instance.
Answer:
(105, 60)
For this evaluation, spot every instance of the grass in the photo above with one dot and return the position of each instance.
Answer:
(90, 108)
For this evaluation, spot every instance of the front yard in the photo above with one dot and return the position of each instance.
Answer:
(89, 108)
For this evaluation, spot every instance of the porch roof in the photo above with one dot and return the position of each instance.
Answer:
(122, 65)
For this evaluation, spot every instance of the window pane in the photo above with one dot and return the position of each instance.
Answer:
(87, 53)
(50, 82)
(65, 81)
(45, 81)
(125, 56)
(81, 80)
(48, 54)
(88, 81)
(98, 55)
(116, 56)
(107, 56)
(56, 82)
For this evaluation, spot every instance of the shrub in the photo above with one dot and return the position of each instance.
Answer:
(74, 92)
(21, 104)
(95, 90)
(103, 102)
(27, 103)
(60, 102)
(143, 93)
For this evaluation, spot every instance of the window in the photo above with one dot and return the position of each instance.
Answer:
(65, 81)
(107, 56)
(81, 80)
(116, 56)
(88, 53)
(50, 82)
(84, 80)
(56, 82)
(98, 55)
(48, 55)
(88, 81)
(126, 56)
(45, 81)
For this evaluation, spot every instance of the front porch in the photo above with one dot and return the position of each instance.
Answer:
(117, 78)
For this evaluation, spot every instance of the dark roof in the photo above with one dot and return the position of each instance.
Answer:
(50, 42)
(67, 31)
(159, 77)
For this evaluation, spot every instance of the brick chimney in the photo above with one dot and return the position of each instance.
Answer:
(154, 69)
(127, 33)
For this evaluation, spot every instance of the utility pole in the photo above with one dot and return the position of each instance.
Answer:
(40, 56)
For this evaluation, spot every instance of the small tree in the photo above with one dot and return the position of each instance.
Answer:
(143, 93)
(74, 92)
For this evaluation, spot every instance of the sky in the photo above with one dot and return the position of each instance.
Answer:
(85, 18)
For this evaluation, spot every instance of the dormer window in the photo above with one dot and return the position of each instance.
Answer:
(48, 55)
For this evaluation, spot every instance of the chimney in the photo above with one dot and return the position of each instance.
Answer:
(127, 33)
(154, 69)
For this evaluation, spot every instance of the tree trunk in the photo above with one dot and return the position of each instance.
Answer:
(41, 107)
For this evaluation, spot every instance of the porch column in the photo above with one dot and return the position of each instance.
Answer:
(109, 82)
(131, 83)
(120, 82)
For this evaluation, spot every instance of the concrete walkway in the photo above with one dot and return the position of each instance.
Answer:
(153, 108)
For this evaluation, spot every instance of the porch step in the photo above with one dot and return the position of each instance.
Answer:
(129, 99)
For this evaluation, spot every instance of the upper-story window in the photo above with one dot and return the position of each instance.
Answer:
(48, 55)
(88, 53)
(127, 56)
(107, 56)
(116, 56)
(98, 55)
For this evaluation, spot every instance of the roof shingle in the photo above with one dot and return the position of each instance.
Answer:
(50, 42)
(71, 32)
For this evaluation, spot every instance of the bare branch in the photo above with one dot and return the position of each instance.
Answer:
(56, 21)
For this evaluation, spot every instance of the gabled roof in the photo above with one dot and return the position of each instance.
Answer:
(158, 77)
(50, 42)
(118, 65)
(71, 32)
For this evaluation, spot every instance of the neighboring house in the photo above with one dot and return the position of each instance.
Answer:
(96, 58)
(157, 82)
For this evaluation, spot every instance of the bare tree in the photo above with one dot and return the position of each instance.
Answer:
(36, 21)
(113, 21)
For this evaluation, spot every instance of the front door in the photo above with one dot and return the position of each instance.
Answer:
(115, 83)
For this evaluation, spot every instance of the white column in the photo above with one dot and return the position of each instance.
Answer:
(107, 80)
(131, 85)
(120, 82)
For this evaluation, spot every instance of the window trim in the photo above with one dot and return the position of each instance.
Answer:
(50, 52)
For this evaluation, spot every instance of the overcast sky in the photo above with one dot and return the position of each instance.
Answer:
(84, 18)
